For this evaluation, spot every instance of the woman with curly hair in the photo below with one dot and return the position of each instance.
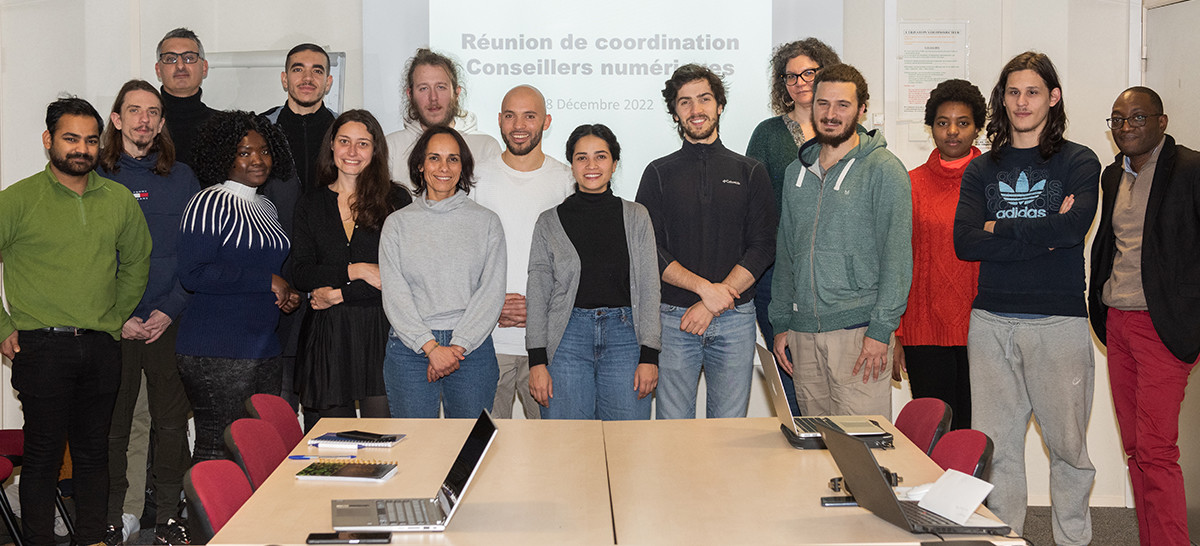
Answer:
(442, 261)
(776, 142)
(231, 250)
(335, 249)
(932, 339)
(594, 331)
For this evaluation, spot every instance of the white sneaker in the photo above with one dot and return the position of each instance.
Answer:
(130, 524)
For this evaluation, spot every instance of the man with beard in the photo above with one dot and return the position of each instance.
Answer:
(181, 67)
(76, 258)
(517, 185)
(304, 118)
(137, 154)
(432, 90)
(714, 221)
(844, 264)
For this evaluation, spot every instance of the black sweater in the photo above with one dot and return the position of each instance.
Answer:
(184, 117)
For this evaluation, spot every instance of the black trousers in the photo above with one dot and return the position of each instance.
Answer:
(67, 386)
(218, 389)
(936, 371)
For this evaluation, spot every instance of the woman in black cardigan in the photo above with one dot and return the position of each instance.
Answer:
(336, 252)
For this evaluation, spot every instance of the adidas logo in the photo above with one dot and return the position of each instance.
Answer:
(1023, 193)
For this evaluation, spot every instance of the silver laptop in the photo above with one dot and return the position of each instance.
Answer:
(806, 427)
(864, 479)
(428, 514)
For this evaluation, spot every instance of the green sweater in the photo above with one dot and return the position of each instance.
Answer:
(773, 146)
(70, 259)
(844, 251)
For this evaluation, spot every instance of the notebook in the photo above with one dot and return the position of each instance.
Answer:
(347, 470)
(865, 480)
(802, 432)
(334, 439)
(424, 514)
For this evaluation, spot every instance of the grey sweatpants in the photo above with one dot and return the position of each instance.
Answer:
(1042, 367)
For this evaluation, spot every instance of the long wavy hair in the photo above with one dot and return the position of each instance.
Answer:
(111, 143)
(818, 51)
(999, 128)
(218, 138)
(371, 204)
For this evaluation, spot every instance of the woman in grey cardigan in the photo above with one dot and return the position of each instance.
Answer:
(592, 327)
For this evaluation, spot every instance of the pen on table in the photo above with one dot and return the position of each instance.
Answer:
(315, 457)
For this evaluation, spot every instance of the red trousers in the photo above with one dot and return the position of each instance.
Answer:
(1147, 388)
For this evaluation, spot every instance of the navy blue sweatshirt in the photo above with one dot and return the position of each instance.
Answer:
(162, 199)
(1022, 192)
(712, 209)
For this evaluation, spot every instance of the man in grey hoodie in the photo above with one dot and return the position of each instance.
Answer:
(843, 265)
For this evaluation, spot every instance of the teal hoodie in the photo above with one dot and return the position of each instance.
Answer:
(844, 247)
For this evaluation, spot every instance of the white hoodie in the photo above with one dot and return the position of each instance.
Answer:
(400, 144)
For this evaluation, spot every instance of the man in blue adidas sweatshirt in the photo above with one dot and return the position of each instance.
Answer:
(1024, 210)
(138, 153)
(843, 265)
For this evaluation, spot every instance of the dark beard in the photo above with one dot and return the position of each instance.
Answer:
(64, 164)
(836, 139)
(530, 145)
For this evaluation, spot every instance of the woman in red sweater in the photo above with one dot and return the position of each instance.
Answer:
(932, 339)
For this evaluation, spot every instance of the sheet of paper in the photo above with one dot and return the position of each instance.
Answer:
(956, 496)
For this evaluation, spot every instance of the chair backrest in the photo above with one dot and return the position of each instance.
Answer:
(924, 421)
(215, 490)
(275, 410)
(965, 450)
(256, 447)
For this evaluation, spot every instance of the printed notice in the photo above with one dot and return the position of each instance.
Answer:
(930, 53)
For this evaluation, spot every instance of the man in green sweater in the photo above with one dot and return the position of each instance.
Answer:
(843, 263)
(76, 260)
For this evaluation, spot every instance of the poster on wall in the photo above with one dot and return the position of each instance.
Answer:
(930, 52)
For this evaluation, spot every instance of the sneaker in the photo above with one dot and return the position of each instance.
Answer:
(129, 526)
(113, 536)
(171, 532)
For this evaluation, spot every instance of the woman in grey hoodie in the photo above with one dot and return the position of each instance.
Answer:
(592, 328)
(442, 264)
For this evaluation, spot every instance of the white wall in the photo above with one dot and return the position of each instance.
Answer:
(90, 48)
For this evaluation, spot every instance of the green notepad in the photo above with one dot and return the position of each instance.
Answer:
(369, 471)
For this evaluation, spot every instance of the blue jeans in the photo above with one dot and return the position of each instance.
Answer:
(462, 394)
(762, 299)
(593, 369)
(726, 354)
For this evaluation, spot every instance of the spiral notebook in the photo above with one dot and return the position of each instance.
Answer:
(333, 439)
(348, 470)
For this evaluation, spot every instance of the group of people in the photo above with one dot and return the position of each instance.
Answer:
(429, 271)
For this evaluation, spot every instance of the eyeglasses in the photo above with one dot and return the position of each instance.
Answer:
(807, 76)
(1135, 121)
(189, 57)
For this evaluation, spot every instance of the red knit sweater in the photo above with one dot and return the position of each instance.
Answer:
(943, 287)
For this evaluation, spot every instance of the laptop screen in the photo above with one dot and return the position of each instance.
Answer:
(468, 458)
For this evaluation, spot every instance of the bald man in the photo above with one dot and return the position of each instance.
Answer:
(518, 185)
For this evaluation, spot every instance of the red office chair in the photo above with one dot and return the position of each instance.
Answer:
(215, 490)
(12, 450)
(256, 448)
(965, 450)
(278, 412)
(924, 421)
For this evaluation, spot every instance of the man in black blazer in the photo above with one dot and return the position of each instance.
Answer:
(1144, 301)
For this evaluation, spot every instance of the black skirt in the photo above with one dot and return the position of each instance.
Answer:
(340, 357)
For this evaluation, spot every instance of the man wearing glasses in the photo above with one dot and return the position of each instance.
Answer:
(1145, 301)
(181, 68)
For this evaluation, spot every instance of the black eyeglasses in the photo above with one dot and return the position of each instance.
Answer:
(189, 57)
(1135, 121)
(807, 76)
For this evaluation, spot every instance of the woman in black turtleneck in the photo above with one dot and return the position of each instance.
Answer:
(593, 328)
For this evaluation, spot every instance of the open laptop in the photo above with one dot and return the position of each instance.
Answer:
(802, 432)
(427, 514)
(865, 480)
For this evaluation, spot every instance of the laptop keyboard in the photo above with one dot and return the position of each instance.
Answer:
(394, 512)
(806, 424)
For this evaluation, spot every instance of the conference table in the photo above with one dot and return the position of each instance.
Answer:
(706, 481)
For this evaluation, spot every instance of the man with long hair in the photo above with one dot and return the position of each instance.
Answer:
(1023, 212)
(137, 152)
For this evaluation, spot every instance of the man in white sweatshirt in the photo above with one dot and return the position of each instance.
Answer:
(431, 89)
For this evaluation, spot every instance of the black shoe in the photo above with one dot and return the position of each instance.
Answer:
(114, 536)
(171, 532)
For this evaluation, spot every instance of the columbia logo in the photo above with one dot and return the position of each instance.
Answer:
(1023, 193)
(734, 182)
